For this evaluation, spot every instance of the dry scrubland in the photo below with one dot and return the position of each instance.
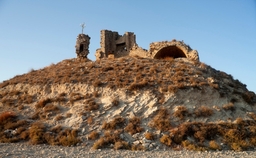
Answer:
(129, 103)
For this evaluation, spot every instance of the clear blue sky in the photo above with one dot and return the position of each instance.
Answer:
(36, 33)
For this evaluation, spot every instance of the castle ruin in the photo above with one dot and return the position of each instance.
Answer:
(82, 45)
(114, 45)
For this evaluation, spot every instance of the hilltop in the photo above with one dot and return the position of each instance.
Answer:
(129, 103)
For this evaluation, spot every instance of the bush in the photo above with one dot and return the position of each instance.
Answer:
(115, 102)
(149, 136)
(68, 138)
(121, 145)
(181, 112)
(133, 126)
(93, 135)
(161, 120)
(36, 133)
(43, 102)
(115, 123)
(229, 106)
(214, 146)
(203, 111)
(7, 115)
(166, 139)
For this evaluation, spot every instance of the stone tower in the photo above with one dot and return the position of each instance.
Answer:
(82, 45)
(115, 44)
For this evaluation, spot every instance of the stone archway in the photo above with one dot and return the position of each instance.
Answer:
(170, 51)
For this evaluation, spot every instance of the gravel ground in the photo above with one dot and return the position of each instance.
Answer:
(22, 150)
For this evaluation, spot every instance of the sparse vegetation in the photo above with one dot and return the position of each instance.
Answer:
(93, 135)
(181, 112)
(149, 136)
(114, 124)
(229, 106)
(166, 139)
(203, 111)
(134, 126)
(159, 77)
(161, 120)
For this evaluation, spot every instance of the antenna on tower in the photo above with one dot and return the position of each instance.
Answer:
(83, 26)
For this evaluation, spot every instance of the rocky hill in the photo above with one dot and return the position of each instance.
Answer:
(129, 103)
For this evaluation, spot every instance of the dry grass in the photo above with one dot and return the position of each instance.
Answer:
(90, 120)
(149, 136)
(166, 139)
(134, 126)
(107, 139)
(203, 111)
(5, 116)
(121, 145)
(229, 106)
(93, 135)
(117, 122)
(214, 145)
(181, 112)
(43, 102)
(68, 137)
(115, 102)
(91, 105)
(161, 120)
(36, 133)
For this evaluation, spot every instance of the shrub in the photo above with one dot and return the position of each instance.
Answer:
(59, 117)
(115, 123)
(214, 146)
(99, 143)
(203, 111)
(7, 115)
(136, 86)
(93, 135)
(56, 129)
(90, 120)
(91, 105)
(68, 137)
(36, 133)
(249, 97)
(166, 139)
(149, 136)
(115, 102)
(15, 124)
(138, 147)
(121, 145)
(161, 120)
(51, 108)
(181, 112)
(108, 138)
(190, 146)
(229, 106)
(75, 97)
(133, 126)
(43, 102)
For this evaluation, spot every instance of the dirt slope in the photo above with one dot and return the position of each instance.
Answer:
(129, 103)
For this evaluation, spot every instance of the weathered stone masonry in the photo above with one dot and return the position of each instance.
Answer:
(82, 45)
(114, 45)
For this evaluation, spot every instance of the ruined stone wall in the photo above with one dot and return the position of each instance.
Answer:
(113, 43)
(178, 47)
(82, 45)
(138, 51)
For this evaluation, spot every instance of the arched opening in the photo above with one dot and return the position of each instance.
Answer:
(170, 52)
(81, 48)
